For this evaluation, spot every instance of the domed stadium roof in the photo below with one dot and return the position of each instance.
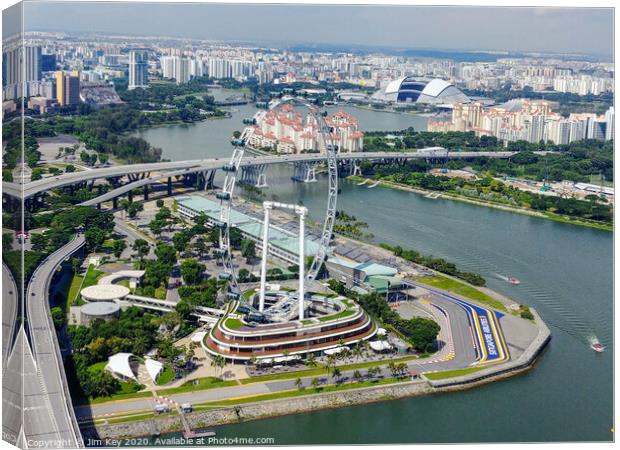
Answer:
(414, 90)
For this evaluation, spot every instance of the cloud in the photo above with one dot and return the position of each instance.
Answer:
(574, 30)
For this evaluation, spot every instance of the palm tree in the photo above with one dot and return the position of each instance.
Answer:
(253, 360)
(311, 360)
(402, 369)
(336, 373)
(393, 369)
(299, 384)
(357, 352)
(218, 362)
(331, 361)
(374, 371)
(315, 383)
(357, 375)
(124, 205)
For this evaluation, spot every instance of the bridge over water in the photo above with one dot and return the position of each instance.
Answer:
(139, 175)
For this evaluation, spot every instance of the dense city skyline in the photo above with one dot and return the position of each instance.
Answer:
(555, 30)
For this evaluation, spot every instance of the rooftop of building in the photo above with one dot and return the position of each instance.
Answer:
(252, 226)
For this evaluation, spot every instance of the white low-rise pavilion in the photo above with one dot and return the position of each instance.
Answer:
(120, 366)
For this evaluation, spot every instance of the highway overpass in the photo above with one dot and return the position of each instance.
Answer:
(49, 419)
(176, 168)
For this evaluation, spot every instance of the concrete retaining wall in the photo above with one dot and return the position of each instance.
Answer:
(258, 410)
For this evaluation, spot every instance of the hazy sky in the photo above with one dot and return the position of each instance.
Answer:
(567, 30)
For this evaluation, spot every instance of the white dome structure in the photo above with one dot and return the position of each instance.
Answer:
(415, 90)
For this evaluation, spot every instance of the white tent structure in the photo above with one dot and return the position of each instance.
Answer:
(154, 368)
(380, 346)
(335, 351)
(119, 365)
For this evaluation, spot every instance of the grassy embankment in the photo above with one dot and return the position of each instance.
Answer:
(451, 373)
(198, 385)
(460, 288)
(79, 282)
(516, 209)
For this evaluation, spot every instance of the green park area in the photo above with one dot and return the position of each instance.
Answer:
(198, 385)
(449, 284)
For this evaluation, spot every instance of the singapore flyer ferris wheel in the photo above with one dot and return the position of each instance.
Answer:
(225, 196)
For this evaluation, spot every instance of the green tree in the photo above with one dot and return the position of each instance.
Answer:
(180, 240)
(191, 271)
(58, 316)
(421, 332)
(299, 384)
(166, 253)
(315, 383)
(141, 247)
(248, 249)
(157, 226)
(118, 245)
(200, 247)
(134, 208)
(39, 241)
(95, 237)
(76, 265)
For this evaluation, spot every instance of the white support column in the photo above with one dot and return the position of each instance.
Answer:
(263, 266)
(302, 263)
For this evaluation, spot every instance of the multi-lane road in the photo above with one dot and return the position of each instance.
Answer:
(48, 412)
(200, 165)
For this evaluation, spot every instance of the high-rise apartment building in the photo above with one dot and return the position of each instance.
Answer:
(138, 69)
(12, 68)
(609, 129)
(176, 68)
(67, 88)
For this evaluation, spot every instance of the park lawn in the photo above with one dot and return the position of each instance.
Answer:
(90, 278)
(92, 275)
(451, 373)
(448, 284)
(202, 383)
(97, 367)
(119, 396)
(248, 294)
(74, 289)
(302, 392)
(340, 315)
(128, 390)
(166, 376)
(233, 323)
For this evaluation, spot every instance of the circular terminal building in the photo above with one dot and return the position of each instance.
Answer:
(276, 333)
(98, 310)
(104, 293)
